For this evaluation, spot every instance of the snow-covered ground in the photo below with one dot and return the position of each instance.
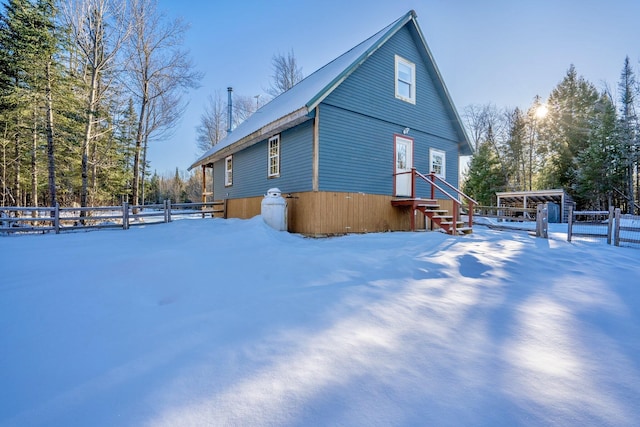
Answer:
(230, 323)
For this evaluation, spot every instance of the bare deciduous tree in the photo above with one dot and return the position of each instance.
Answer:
(286, 73)
(213, 126)
(213, 122)
(159, 72)
(98, 29)
(243, 107)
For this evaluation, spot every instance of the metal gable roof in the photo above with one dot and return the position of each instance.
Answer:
(297, 104)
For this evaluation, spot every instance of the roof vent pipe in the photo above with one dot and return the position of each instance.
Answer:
(230, 110)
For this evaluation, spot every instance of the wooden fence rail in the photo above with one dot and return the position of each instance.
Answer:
(45, 219)
(506, 213)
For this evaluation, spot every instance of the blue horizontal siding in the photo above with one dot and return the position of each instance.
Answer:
(357, 153)
(358, 121)
(250, 167)
(371, 90)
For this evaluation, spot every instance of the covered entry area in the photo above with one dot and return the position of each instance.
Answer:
(531, 199)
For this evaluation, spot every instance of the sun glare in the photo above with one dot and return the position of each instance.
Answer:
(541, 111)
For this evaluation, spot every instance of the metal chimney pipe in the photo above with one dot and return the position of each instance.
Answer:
(230, 110)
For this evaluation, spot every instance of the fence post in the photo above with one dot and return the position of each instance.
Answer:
(610, 225)
(570, 223)
(542, 221)
(617, 228)
(167, 210)
(125, 215)
(56, 218)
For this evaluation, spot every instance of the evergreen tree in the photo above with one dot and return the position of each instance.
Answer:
(125, 137)
(571, 110)
(485, 176)
(628, 129)
(155, 194)
(27, 45)
(62, 68)
(602, 164)
(178, 193)
(516, 150)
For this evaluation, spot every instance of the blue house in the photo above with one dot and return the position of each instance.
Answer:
(343, 143)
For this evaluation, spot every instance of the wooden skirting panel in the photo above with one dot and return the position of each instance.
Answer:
(331, 213)
(244, 208)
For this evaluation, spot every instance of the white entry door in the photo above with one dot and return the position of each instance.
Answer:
(403, 163)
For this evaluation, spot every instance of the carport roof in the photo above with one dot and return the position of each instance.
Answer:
(538, 196)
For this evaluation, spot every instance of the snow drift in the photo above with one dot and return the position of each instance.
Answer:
(228, 322)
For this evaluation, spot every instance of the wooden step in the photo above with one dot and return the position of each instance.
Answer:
(464, 230)
(431, 209)
(460, 231)
(412, 202)
(443, 217)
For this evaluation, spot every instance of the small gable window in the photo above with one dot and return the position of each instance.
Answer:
(228, 171)
(437, 160)
(274, 156)
(405, 80)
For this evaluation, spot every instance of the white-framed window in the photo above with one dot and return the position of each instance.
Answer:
(405, 80)
(228, 171)
(274, 156)
(438, 162)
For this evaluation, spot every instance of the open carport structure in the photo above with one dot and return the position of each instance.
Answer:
(531, 199)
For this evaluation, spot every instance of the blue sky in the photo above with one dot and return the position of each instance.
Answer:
(494, 51)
